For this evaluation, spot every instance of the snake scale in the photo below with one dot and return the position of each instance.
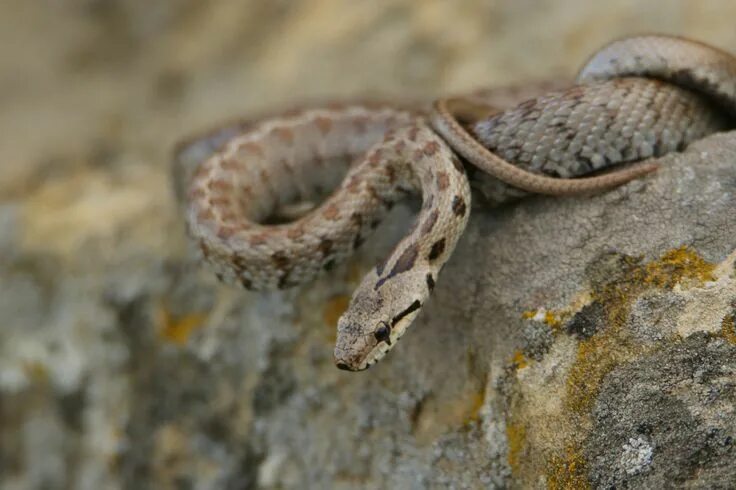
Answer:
(635, 98)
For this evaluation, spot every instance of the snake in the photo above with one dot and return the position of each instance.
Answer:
(636, 98)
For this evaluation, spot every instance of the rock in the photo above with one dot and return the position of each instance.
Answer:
(570, 343)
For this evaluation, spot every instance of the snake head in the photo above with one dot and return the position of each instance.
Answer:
(378, 315)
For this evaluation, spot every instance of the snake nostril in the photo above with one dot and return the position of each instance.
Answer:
(343, 366)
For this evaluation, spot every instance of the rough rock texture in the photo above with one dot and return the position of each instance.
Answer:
(571, 343)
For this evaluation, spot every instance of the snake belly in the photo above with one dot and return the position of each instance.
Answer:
(389, 153)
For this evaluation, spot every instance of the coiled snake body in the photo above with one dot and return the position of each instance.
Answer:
(637, 98)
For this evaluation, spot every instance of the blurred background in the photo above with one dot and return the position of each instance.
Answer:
(94, 93)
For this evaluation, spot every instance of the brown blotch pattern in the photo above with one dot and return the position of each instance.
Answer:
(437, 248)
(331, 212)
(220, 202)
(430, 222)
(265, 177)
(220, 185)
(258, 239)
(205, 214)
(239, 262)
(254, 148)
(286, 135)
(228, 215)
(431, 148)
(413, 132)
(280, 260)
(230, 164)
(375, 158)
(406, 260)
(323, 123)
(353, 185)
(295, 232)
(430, 282)
(458, 206)
(443, 180)
(225, 232)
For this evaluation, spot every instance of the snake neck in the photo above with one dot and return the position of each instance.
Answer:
(391, 296)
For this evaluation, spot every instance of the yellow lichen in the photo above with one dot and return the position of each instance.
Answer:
(600, 354)
(568, 472)
(677, 266)
(476, 403)
(595, 358)
(178, 329)
(552, 318)
(529, 314)
(516, 438)
(519, 360)
(728, 328)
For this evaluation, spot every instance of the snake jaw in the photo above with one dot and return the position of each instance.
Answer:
(377, 318)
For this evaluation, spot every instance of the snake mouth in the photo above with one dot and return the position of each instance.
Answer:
(346, 366)
(342, 365)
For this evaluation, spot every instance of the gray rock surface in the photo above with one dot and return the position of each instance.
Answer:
(570, 343)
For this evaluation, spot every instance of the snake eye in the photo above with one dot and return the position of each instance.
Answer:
(383, 333)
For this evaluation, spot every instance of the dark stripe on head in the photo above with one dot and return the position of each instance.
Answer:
(412, 307)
